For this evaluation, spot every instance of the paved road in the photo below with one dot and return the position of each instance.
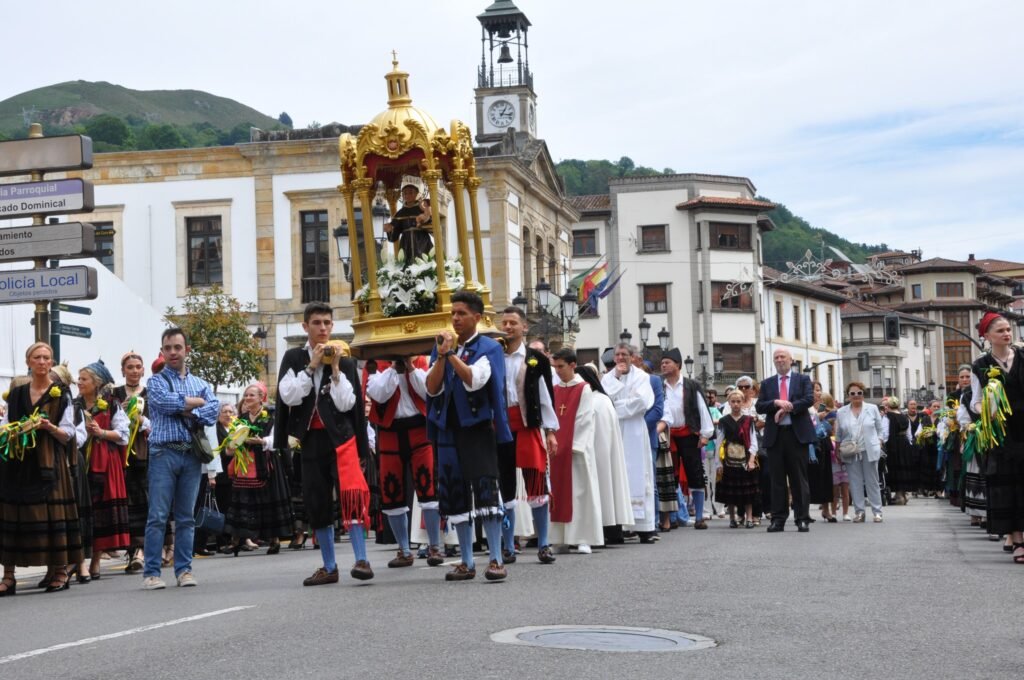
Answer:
(921, 596)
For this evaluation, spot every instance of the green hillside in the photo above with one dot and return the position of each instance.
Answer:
(793, 236)
(67, 107)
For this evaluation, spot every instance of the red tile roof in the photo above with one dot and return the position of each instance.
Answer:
(725, 202)
(940, 264)
(995, 266)
(591, 202)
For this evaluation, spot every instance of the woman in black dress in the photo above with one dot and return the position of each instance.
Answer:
(900, 454)
(1003, 464)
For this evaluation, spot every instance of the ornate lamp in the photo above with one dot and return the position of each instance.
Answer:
(703, 356)
(341, 236)
(663, 339)
(719, 365)
(688, 363)
(520, 301)
(645, 332)
(544, 295)
(625, 336)
(570, 308)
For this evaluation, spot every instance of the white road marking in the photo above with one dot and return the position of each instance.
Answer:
(123, 633)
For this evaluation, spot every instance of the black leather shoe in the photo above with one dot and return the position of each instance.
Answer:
(775, 526)
(803, 527)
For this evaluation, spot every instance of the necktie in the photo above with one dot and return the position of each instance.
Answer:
(783, 388)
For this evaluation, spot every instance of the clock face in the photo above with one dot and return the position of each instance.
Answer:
(501, 113)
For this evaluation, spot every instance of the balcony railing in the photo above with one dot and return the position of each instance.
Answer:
(316, 290)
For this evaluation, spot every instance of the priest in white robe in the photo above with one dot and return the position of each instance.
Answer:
(629, 388)
(575, 493)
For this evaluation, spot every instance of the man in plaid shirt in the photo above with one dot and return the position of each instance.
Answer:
(179, 403)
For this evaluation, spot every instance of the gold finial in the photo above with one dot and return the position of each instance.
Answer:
(398, 85)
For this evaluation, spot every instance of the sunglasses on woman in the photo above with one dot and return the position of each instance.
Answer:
(856, 394)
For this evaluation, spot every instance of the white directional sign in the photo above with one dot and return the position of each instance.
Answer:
(64, 283)
(57, 197)
(63, 240)
(45, 154)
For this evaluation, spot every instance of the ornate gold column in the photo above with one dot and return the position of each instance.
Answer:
(458, 191)
(363, 186)
(473, 183)
(348, 194)
(444, 293)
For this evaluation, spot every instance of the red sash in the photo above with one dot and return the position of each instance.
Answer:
(531, 454)
(567, 404)
(683, 431)
(353, 492)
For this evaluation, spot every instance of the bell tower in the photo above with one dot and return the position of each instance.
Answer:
(504, 93)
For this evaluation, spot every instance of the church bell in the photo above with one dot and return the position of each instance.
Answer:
(506, 55)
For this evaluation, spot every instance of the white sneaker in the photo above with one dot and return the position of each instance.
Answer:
(583, 549)
(859, 519)
(153, 583)
(878, 518)
(846, 518)
(690, 522)
(187, 580)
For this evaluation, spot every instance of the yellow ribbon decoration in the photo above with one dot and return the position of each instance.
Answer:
(992, 426)
(134, 408)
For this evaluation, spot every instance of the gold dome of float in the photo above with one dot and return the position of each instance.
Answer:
(400, 109)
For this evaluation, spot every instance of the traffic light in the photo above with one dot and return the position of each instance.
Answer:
(892, 328)
(863, 361)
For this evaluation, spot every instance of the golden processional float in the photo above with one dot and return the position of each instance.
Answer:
(396, 317)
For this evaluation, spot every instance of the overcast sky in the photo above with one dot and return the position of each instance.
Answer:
(884, 121)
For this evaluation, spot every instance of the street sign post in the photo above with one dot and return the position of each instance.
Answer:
(34, 285)
(57, 197)
(63, 240)
(45, 154)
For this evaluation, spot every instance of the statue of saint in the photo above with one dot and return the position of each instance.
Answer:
(411, 226)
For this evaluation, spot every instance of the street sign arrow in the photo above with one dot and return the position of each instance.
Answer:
(63, 240)
(74, 331)
(74, 309)
(57, 197)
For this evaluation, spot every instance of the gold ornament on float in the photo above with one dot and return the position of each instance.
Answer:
(404, 142)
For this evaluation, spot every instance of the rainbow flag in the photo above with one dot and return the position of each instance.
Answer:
(592, 282)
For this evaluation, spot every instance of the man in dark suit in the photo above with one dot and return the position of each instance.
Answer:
(785, 399)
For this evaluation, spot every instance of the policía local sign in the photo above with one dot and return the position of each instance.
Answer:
(36, 241)
(45, 154)
(45, 198)
(64, 283)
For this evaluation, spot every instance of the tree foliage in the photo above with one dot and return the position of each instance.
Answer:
(110, 130)
(591, 177)
(224, 351)
(793, 236)
(162, 136)
(285, 119)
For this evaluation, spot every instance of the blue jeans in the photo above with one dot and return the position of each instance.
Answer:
(173, 482)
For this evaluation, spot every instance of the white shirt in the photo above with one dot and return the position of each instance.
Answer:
(294, 388)
(515, 368)
(481, 369)
(676, 417)
(381, 387)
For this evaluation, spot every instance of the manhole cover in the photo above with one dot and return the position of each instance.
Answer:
(604, 638)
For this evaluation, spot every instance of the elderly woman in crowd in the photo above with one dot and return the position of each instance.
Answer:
(859, 433)
(105, 427)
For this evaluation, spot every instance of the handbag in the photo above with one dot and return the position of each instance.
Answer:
(849, 449)
(209, 517)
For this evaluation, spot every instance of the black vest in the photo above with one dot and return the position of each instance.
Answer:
(294, 420)
(542, 370)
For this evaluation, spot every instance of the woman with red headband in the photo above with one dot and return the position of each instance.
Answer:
(1004, 462)
(260, 500)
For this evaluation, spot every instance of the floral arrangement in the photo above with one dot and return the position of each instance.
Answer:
(238, 431)
(925, 435)
(18, 436)
(411, 289)
(134, 408)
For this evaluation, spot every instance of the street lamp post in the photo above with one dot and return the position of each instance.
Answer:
(567, 313)
(664, 338)
(645, 335)
(702, 356)
(688, 363)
